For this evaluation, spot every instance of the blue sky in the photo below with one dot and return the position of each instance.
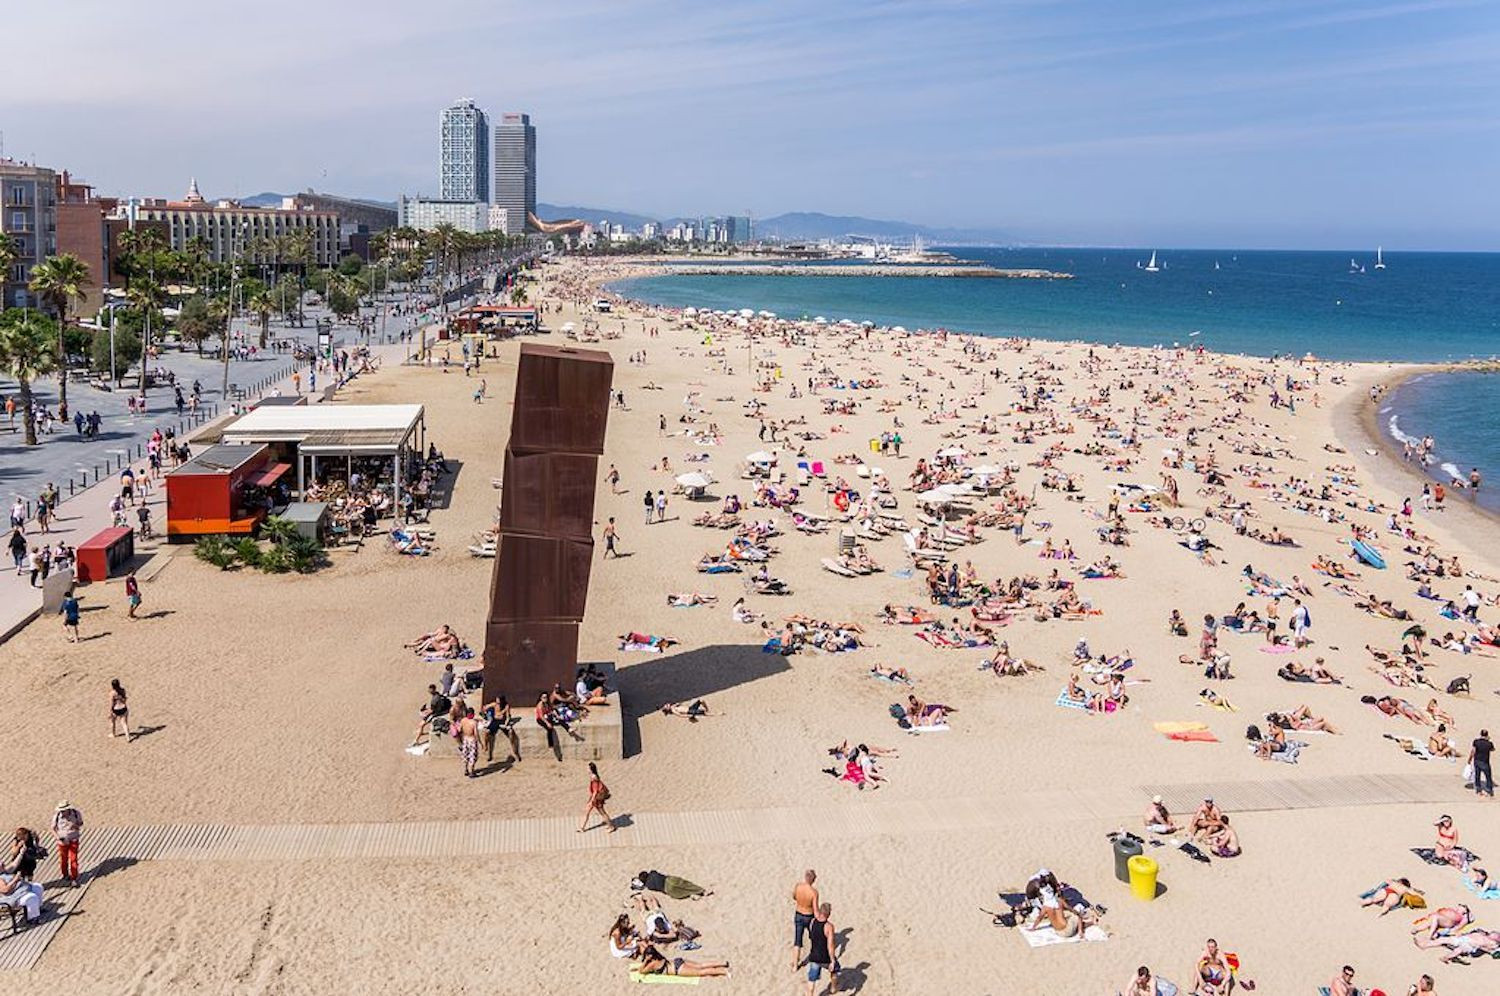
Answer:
(1237, 123)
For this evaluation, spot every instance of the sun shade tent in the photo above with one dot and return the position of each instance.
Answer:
(313, 432)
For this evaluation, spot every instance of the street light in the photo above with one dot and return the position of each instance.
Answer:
(112, 305)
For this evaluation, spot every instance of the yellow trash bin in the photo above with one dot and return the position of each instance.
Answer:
(874, 445)
(1143, 877)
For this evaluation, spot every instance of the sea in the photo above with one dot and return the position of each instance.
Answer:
(1423, 307)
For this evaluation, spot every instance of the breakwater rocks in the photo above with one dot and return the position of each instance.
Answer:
(874, 270)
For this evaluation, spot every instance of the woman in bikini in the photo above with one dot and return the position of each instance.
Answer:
(1392, 894)
(598, 796)
(119, 711)
(653, 962)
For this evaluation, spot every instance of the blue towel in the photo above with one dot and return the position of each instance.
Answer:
(1067, 703)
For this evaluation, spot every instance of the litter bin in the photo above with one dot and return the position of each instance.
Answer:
(1125, 849)
(875, 445)
(1143, 877)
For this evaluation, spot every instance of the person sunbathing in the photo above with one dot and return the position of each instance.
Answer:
(1438, 714)
(890, 673)
(1213, 975)
(687, 599)
(1392, 706)
(1157, 819)
(1464, 946)
(1301, 718)
(1317, 673)
(440, 642)
(1392, 894)
(1442, 745)
(690, 712)
(653, 962)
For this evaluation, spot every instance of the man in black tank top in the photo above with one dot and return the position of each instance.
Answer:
(820, 959)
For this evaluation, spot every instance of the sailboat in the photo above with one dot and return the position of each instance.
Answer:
(1151, 267)
(1379, 261)
(1354, 267)
(1216, 264)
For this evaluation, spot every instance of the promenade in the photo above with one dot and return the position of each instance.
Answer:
(87, 471)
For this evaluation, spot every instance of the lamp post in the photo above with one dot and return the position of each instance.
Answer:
(113, 377)
(234, 269)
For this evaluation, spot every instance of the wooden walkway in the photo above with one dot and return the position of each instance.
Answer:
(114, 848)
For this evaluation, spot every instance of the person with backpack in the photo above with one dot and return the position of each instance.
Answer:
(598, 796)
(67, 829)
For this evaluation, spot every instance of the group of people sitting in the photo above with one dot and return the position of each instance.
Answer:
(801, 632)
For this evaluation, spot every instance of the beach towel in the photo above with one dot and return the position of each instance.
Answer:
(419, 749)
(1067, 703)
(1429, 855)
(664, 980)
(1279, 648)
(939, 728)
(1046, 936)
(1194, 737)
(1491, 892)
(1178, 726)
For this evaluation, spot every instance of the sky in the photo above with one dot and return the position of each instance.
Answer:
(1246, 123)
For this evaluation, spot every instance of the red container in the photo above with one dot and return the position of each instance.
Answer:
(104, 554)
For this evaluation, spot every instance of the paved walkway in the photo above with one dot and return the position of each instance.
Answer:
(116, 847)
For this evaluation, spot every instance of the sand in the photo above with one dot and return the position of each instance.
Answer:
(287, 700)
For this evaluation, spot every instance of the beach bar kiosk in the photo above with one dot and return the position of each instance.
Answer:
(332, 442)
(221, 491)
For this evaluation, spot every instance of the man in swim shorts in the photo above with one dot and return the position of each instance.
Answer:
(805, 897)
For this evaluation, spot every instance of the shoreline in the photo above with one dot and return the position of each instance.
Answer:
(1356, 422)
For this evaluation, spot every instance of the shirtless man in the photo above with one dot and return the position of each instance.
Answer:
(1214, 978)
(1206, 819)
(1158, 820)
(1442, 922)
(805, 897)
(1343, 983)
(1475, 942)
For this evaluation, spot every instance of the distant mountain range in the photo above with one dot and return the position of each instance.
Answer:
(797, 226)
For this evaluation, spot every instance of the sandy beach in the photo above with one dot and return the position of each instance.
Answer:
(277, 702)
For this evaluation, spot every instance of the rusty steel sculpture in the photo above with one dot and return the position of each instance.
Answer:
(546, 546)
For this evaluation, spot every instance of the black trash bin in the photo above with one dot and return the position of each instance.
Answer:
(1125, 849)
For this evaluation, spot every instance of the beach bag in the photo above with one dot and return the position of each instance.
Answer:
(897, 711)
(1469, 773)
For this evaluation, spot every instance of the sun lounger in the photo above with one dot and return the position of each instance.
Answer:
(834, 567)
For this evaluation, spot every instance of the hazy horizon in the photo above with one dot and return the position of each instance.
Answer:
(1243, 124)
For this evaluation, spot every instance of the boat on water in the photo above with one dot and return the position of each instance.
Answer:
(1354, 266)
(1151, 267)
(1379, 259)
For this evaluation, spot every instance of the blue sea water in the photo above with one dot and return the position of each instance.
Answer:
(1459, 411)
(1423, 307)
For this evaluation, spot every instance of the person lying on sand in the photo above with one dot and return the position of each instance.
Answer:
(690, 712)
(1463, 946)
(1300, 718)
(1392, 706)
(890, 673)
(685, 599)
(1317, 673)
(440, 642)
(1393, 893)
(653, 962)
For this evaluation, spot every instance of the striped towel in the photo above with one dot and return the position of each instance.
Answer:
(1067, 703)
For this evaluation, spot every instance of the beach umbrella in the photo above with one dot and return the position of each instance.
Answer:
(820, 320)
(766, 314)
(898, 328)
(694, 479)
(934, 497)
(689, 312)
(760, 456)
(952, 451)
(986, 469)
(747, 312)
(867, 324)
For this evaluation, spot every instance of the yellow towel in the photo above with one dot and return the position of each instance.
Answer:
(1179, 726)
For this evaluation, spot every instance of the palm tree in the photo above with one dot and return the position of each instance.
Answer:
(26, 353)
(139, 248)
(61, 280)
(8, 256)
(262, 304)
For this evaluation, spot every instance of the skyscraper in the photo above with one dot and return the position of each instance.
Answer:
(464, 151)
(515, 171)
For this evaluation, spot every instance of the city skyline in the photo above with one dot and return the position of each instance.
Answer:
(1247, 123)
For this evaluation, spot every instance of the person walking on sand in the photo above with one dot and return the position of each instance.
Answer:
(650, 502)
(67, 828)
(132, 594)
(598, 796)
(119, 711)
(820, 956)
(805, 899)
(69, 610)
(661, 506)
(613, 477)
(611, 534)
